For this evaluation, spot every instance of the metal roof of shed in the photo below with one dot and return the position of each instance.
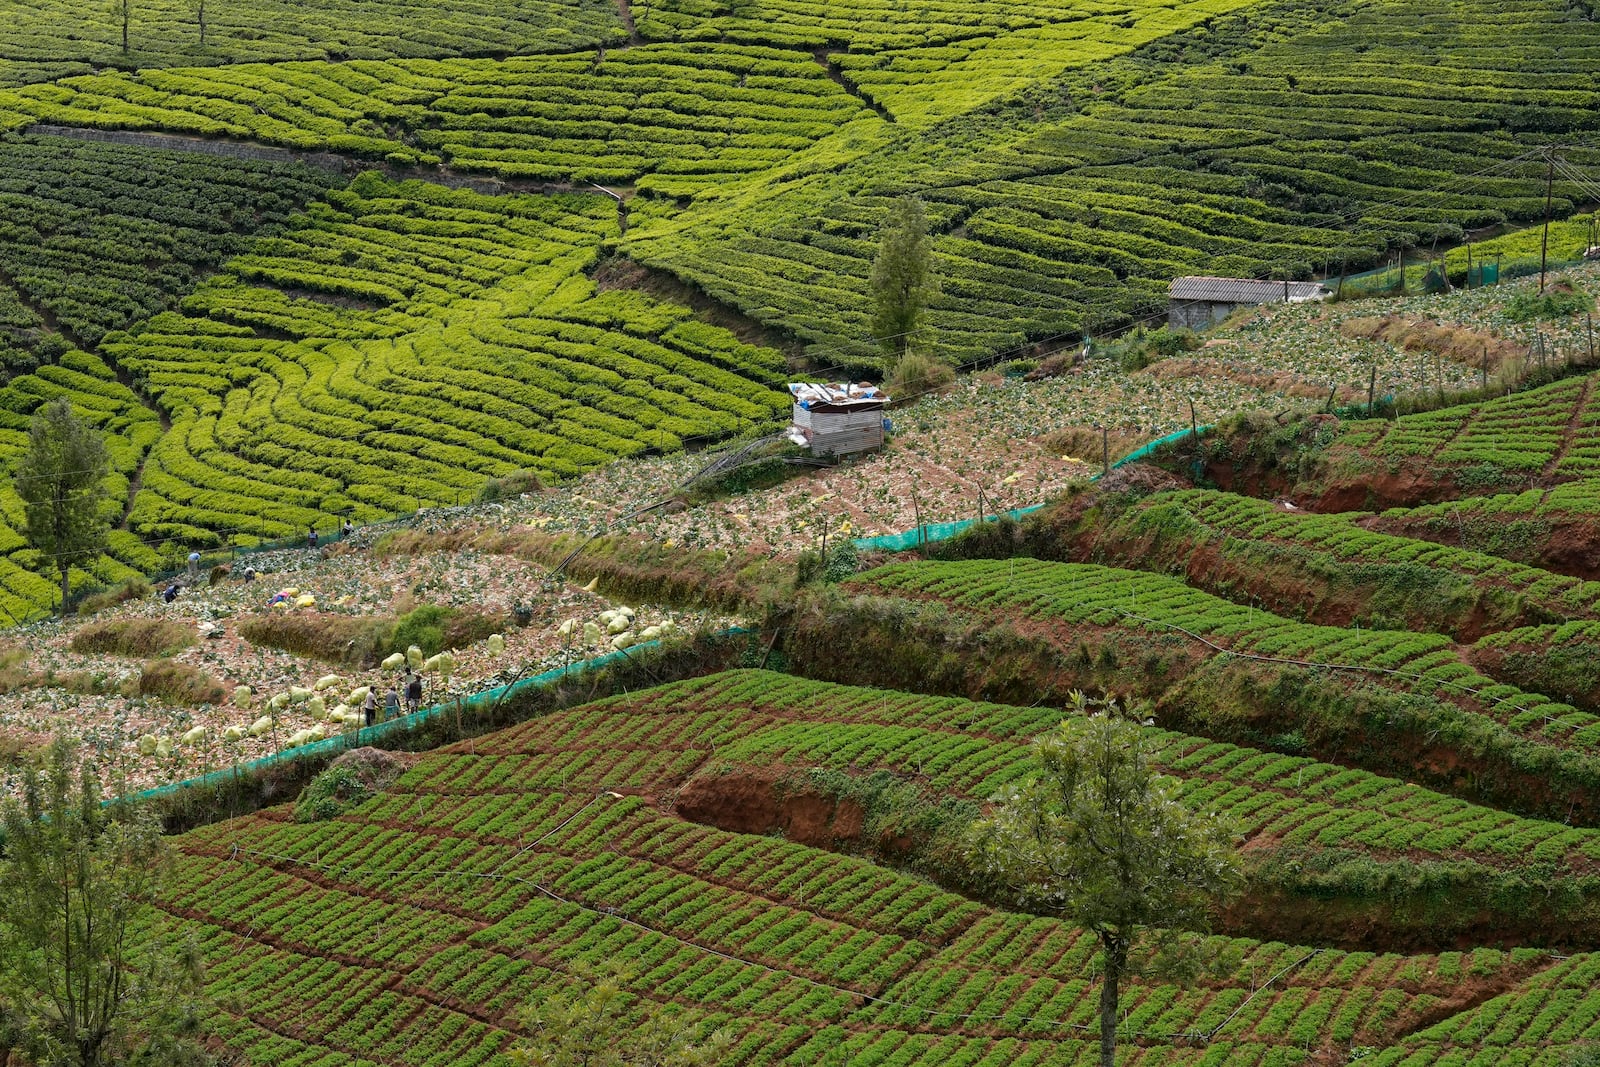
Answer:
(1243, 290)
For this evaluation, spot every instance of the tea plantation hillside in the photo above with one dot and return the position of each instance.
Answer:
(1406, 758)
(303, 357)
(49, 39)
(1395, 715)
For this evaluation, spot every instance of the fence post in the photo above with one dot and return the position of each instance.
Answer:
(916, 513)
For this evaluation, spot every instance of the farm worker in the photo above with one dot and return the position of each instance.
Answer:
(391, 703)
(249, 574)
(170, 594)
(346, 530)
(279, 597)
(194, 564)
(311, 537)
(413, 691)
(369, 705)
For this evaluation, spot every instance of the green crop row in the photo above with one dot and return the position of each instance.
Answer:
(1375, 576)
(51, 38)
(486, 352)
(975, 749)
(1564, 658)
(98, 237)
(1083, 594)
(389, 348)
(427, 895)
(693, 111)
(1162, 170)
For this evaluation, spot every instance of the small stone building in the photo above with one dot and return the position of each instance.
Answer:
(1196, 303)
(837, 418)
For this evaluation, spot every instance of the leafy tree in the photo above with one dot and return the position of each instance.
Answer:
(1100, 838)
(603, 1025)
(86, 977)
(902, 276)
(61, 479)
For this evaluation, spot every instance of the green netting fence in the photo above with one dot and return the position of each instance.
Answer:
(379, 732)
(383, 731)
(1423, 276)
(931, 532)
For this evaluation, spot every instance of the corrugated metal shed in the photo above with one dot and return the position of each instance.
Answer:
(1243, 290)
(838, 419)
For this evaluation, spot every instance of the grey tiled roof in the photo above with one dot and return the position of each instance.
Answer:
(1241, 290)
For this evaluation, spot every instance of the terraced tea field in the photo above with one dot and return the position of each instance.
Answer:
(491, 869)
(49, 39)
(1073, 159)
(308, 266)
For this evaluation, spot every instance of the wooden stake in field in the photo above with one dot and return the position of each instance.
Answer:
(916, 512)
(1372, 388)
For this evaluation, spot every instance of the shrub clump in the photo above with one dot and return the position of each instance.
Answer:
(357, 641)
(1560, 300)
(916, 375)
(515, 484)
(179, 683)
(132, 589)
(363, 640)
(434, 628)
(349, 780)
(330, 794)
(133, 637)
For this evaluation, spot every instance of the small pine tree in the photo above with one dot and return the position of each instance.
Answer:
(61, 479)
(902, 276)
